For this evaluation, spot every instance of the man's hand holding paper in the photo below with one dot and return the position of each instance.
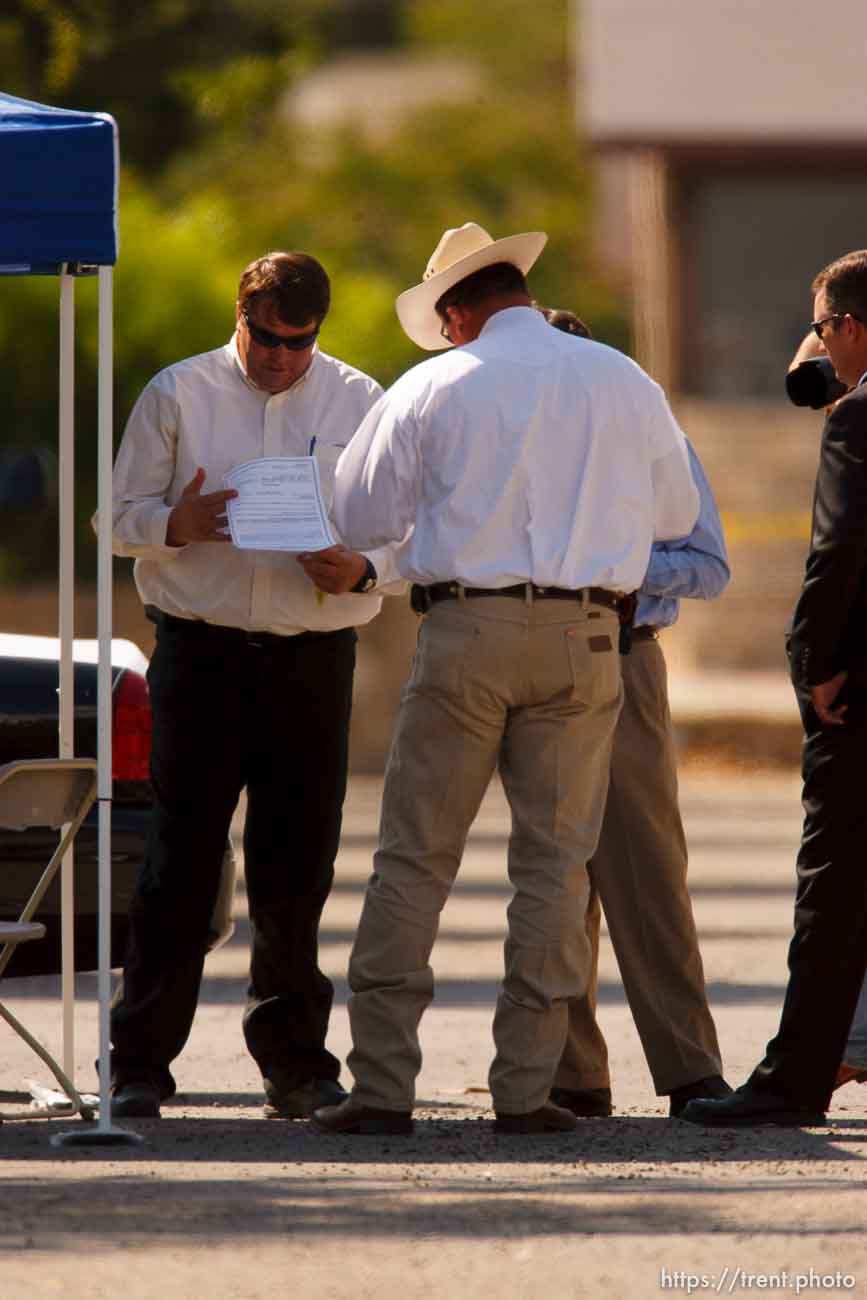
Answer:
(199, 516)
(335, 570)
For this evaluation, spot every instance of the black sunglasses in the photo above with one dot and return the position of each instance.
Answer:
(267, 339)
(817, 326)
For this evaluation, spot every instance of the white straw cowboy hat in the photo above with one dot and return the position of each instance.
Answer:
(459, 253)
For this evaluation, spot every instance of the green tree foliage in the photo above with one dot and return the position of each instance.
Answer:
(176, 72)
(372, 205)
(217, 172)
(525, 47)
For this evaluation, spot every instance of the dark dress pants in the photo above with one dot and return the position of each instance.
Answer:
(232, 710)
(828, 953)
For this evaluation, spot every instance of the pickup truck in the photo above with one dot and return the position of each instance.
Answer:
(29, 676)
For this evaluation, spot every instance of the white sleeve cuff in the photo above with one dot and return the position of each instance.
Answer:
(159, 523)
(389, 582)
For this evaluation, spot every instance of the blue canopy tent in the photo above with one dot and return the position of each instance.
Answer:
(58, 216)
(58, 204)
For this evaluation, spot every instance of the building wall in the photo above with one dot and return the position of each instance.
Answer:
(737, 132)
(656, 70)
(760, 459)
(751, 242)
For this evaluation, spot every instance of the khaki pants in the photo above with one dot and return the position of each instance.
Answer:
(639, 873)
(534, 689)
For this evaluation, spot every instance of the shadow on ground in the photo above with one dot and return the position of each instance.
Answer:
(229, 990)
(414, 1195)
(441, 1140)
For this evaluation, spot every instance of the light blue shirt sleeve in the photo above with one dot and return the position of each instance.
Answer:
(695, 566)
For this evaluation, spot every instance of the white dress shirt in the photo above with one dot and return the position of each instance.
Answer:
(206, 412)
(527, 455)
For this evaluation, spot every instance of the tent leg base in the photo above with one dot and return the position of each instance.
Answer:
(96, 1137)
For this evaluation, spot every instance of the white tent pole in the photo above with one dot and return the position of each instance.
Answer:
(66, 440)
(104, 1132)
(104, 627)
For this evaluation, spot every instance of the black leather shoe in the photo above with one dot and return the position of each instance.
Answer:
(713, 1086)
(136, 1099)
(748, 1106)
(289, 1097)
(586, 1103)
(353, 1117)
(547, 1119)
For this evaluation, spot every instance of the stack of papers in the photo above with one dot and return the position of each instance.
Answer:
(279, 505)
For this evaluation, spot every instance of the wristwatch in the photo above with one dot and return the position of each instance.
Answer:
(368, 579)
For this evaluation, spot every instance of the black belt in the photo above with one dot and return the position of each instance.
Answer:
(644, 633)
(198, 627)
(423, 597)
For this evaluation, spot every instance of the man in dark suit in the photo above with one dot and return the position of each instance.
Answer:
(828, 660)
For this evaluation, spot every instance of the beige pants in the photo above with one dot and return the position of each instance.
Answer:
(534, 689)
(639, 873)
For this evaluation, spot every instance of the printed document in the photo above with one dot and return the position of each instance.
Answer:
(279, 505)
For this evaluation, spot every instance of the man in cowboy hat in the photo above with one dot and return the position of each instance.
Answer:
(529, 474)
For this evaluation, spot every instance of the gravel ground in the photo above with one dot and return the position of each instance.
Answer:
(219, 1202)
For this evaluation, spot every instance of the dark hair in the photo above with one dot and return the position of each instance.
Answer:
(845, 284)
(563, 319)
(490, 282)
(294, 284)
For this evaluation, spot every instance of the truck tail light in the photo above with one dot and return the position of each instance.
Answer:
(130, 728)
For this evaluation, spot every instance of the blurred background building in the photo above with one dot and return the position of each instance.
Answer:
(731, 158)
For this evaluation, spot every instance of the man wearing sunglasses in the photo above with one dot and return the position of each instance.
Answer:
(828, 659)
(251, 685)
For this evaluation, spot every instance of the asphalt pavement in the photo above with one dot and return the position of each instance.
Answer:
(222, 1203)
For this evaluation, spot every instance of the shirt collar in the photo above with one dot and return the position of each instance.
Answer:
(511, 317)
(235, 356)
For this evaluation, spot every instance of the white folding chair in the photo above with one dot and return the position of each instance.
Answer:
(57, 793)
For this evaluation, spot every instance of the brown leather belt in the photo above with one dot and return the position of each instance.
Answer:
(423, 597)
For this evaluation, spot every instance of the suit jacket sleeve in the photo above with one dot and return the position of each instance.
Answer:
(830, 620)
